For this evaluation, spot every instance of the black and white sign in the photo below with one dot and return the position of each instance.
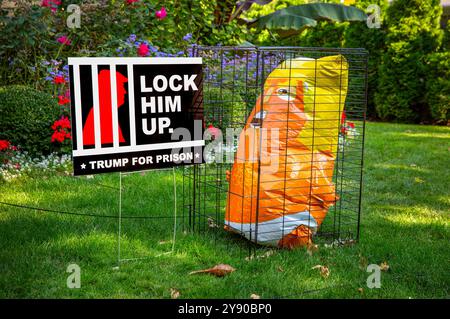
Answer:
(132, 114)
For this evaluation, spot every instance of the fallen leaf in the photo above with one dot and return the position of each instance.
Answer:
(413, 165)
(311, 249)
(348, 242)
(254, 296)
(384, 266)
(324, 271)
(162, 242)
(419, 180)
(219, 270)
(211, 223)
(142, 173)
(363, 262)
(265, 255)
(361, 290)
(174, 294)
(280, 269)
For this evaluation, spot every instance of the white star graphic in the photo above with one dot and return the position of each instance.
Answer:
(197, 155)
(83, 166)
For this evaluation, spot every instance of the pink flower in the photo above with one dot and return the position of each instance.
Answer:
(64, 40)
(161, 13)
(143, 49)
(131, 1)
(215, 132)
(52, 4)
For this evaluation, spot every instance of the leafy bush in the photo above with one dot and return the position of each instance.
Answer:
(325, 34)
(438, 86)
(413, 33)
(217, 100)
(26, 117)
(23, 37)
(33, 32)
(359, 35)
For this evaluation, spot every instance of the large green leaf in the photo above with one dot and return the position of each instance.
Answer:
(296, 18)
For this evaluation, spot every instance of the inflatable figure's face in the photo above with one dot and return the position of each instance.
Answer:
(279, 96)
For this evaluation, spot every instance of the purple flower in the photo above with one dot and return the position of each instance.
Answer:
(132, 38)
(187, 37)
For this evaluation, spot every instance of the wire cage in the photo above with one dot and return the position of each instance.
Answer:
(285, 139)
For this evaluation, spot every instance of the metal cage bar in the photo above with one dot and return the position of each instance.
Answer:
(234, 81)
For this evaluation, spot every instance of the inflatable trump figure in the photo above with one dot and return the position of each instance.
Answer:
(280, 185)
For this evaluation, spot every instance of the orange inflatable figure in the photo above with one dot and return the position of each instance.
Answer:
(281, 181)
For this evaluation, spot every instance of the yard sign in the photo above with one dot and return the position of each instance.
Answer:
(132, 114)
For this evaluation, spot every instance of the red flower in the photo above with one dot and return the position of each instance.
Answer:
(64, 40)
(143, 49)
(132, 1)
(161, 13)
(351, 124)
(58, 136)
(63, 123)
(61, 129)
(59, 79)
(63, 100)
(4, 144)
(344, 116)
(17, 166)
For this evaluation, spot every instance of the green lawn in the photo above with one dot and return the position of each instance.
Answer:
(405, 222)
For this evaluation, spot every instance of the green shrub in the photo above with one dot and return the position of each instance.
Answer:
(325, 34)
(224, 109)
(26, 117)
(413, 33)
(438, 86)
(359, 35)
